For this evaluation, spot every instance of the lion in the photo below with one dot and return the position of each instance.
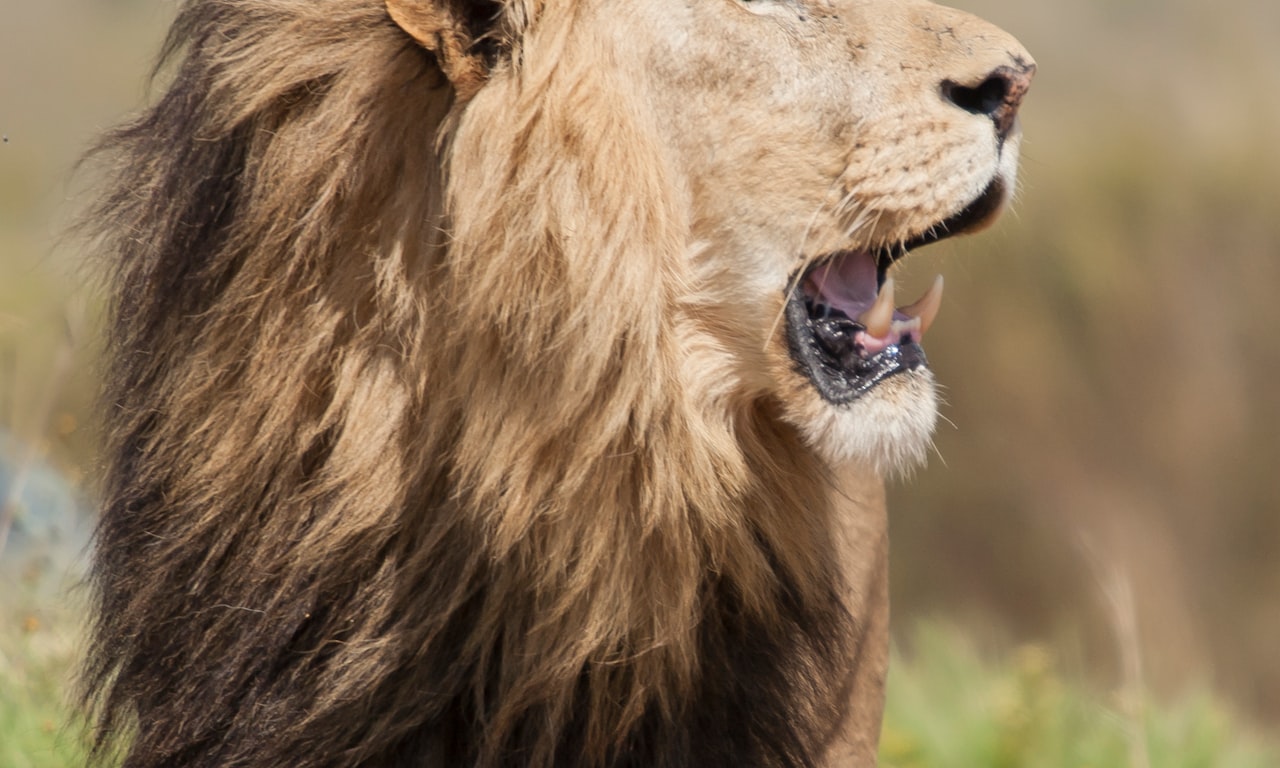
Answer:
(512, 382)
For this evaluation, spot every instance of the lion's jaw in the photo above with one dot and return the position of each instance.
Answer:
(807, 131)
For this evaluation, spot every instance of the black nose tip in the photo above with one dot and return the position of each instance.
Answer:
(998, 96)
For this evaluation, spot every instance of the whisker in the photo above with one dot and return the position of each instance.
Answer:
(794, 282)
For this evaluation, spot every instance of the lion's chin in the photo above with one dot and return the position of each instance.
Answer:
(889, 428)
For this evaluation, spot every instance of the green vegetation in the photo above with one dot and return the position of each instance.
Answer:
(951, 707)
(37, 652)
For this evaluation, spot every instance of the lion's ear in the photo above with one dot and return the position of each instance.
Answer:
(455, 31)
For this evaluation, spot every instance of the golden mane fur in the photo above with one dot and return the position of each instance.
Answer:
(409, 455)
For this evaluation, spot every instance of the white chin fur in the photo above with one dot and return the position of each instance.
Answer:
(890, 427)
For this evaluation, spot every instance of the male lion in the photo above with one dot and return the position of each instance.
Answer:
(509, 382)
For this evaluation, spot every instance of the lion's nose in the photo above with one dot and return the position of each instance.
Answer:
(997, 96)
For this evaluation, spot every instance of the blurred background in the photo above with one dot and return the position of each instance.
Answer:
(1111, 357)
(1105, 484)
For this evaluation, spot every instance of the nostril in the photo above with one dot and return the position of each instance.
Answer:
(997, 97)
(985, 99)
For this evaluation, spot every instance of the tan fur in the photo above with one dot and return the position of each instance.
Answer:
(450, 420)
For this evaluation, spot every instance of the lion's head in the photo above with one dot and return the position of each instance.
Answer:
(790, 153)
(483, 374)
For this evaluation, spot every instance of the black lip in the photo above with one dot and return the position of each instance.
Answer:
(842, 376)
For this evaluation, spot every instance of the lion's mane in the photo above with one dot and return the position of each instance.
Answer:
(402, 467)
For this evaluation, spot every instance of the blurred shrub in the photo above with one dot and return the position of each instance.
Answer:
(950, 708)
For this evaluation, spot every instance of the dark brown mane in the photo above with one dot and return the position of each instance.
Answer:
(388, 485)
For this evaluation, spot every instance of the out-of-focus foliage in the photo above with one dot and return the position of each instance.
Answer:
(951, 708)
(37, 645)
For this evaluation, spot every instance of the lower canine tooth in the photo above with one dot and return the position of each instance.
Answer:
(879, 317)
(926, 307)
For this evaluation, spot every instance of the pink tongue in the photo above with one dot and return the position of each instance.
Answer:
(847, 283)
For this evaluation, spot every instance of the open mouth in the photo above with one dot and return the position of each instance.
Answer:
(843, 327)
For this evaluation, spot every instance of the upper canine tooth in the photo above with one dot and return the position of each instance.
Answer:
(926, 307)
(879, 317)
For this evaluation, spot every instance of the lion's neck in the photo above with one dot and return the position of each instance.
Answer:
(637, 561)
